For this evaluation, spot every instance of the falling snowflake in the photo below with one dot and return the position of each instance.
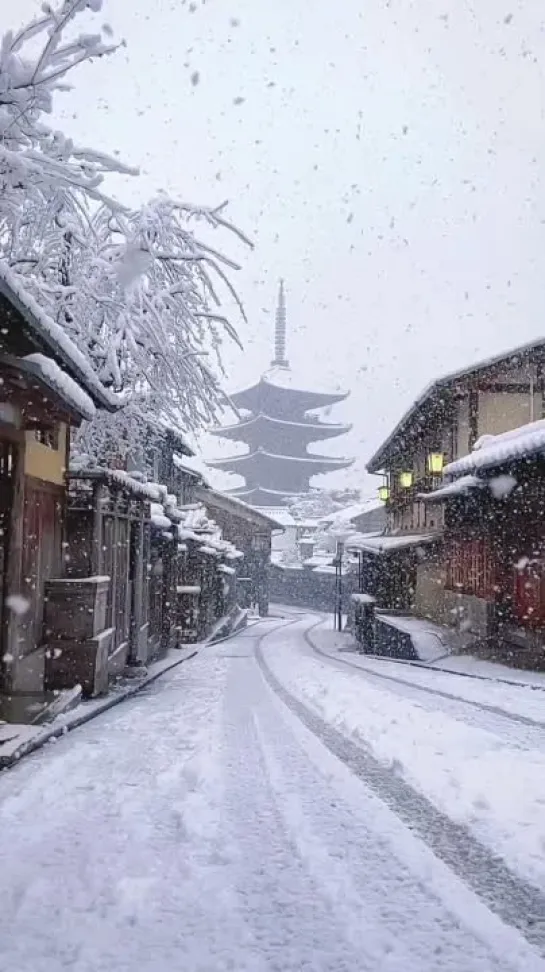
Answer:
(18, 604)
(502, 486)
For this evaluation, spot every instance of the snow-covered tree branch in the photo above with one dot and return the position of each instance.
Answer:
(138, 292)
(36, 160)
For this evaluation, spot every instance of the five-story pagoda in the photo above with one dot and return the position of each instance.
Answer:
(277, 426)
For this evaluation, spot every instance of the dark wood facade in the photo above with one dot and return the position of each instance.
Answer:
(494, 552)
(45, 390)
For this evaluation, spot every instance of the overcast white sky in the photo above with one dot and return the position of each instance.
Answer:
(386, 157)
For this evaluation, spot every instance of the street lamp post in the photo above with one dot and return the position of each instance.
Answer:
(339, 586)
(341, 536)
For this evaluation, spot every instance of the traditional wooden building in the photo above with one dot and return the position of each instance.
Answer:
(47, 388)
(250, 531)
(444, 424)
(494, 544)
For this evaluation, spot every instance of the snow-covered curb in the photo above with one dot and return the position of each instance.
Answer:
(465, 665)
(452, 665)
(27, 739)
(34, 737)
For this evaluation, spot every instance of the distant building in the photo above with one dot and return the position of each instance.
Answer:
(276, 426)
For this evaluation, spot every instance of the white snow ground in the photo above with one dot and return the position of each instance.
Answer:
(204, 826)
(485, 774)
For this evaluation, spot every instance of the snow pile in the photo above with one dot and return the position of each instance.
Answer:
(373, 544)
(460, 487)
(158, 518)
(197, 526)
(149, 491)
(363, 599)
(427, 639)
(495, 450)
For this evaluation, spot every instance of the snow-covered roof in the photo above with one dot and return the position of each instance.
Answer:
(147, 491)
(53, 338)
(323, 428)
(280, 514)
(508, 357)
(388, 543)
(193, 465)
(235, 505)
(348, 513)
(319, 560)
(49, 373)
(460, 487)
(308, 459)
(283, 379)
(495, 450)
(286, 378)
(282, 494)
(363, 599)
(158, 518)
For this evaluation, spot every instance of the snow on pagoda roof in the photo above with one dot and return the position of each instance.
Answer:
(495, 450)
(50, 335)
(284, 379)
(307, 459)
(247, 422)
(270, 494)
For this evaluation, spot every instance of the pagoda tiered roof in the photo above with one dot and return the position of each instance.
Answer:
(259, 426)
(279, 392)
(277, 425)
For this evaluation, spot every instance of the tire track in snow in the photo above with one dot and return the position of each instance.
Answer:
(483, 706)
(450, 696)
(517, 902)
(517, 735)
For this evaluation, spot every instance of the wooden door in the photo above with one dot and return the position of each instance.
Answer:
(42, 553)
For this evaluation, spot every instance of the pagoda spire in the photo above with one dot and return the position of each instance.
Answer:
(280, 359)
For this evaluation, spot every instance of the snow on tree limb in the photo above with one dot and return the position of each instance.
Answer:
(137, 292)
(31, 151)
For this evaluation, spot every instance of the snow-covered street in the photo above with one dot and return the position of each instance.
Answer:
(264, 807)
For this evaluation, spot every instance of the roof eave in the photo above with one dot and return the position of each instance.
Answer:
(381, 456)
(100, 396)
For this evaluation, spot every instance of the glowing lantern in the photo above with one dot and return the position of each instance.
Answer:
(384, 493)
(405, 480)
(436, 462)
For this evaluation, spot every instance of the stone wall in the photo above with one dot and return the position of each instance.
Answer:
(308, 588)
